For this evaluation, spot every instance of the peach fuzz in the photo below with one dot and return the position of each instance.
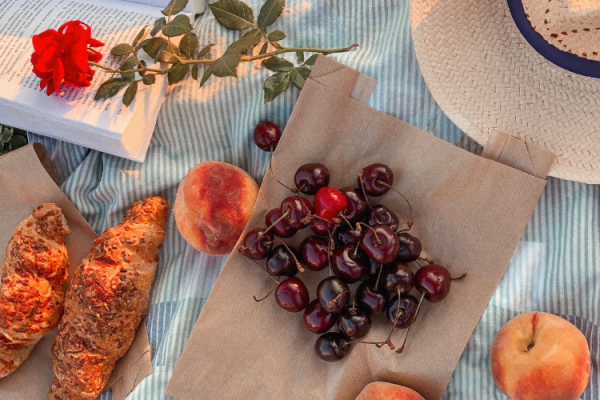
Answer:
(213, 205)
(540, 356)
(388, 391)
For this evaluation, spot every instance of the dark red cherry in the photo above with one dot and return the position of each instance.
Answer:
(267, 135)
(374, 301)
(410, 247)
(434, 281)
(380, 243)
(314, 251)
(349, 264)
(354, 323)
(381, 215)
(372, 270)
(346, 235)
(333, 294)
(317, 319)
(357, 204)
(332, 346)
(310, 178)
(408, 308)
(322, 227)
(374, 178)
(281, 228)
(329, 202)
(256, 248)
(292, 295)
(299, 208)
(281, 261)
(397, 276)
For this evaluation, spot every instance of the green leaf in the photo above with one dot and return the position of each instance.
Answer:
(177, 72)
(174, 7)
(130, 63)
(224, 66)
(299, 76)
(110, 88)
(276, 36)
(278, 64)
(17, 141)
(189, 44)
(243, 45)
(170, 55)
(253, 32)
(204, 51)
(130, 93)
(177, 27)
(139, 37)
(5, 135)
(269, 12)
(121, 49)
(233, 14)
(263, 49)
(154, 45)
(195, 71)
(149, 79)
(311, 60)
(142, 65)
(158, 25)
(300, 55)
(275, 85)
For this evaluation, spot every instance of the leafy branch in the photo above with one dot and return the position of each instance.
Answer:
(11, 138)
(186, 57)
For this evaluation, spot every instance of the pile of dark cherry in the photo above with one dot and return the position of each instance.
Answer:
(357, 242)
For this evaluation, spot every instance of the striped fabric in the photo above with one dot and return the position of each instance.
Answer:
(555, 268)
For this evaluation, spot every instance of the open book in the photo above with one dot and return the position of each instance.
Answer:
(75, 117)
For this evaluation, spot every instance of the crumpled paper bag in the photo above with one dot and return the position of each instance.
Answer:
(27, 180)
(469, 212)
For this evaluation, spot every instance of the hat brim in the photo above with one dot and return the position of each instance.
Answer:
(486, 77)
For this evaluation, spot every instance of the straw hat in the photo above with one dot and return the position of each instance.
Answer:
(528, 68)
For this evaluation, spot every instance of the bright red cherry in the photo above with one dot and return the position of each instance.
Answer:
(380, 243)
(310, 178)
(434, 281)
(299, 208)
(376, 179)
(267, 135)
(317, 319)
(292, 295)
(329, 202)
(281, 228)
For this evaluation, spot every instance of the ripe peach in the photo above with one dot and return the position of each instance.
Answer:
(388, 391)
(540, 356)
(213, 205)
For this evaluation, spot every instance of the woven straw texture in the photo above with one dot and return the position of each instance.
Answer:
(486, 77)
(569, 25)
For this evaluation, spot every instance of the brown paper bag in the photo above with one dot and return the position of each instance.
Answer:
(469, 213)
(27, 180)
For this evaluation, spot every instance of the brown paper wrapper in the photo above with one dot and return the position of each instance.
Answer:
(469, 212)
(27, 180)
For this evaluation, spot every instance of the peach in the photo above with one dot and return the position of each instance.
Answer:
(540, 356)
(388, 391)
(213, 205)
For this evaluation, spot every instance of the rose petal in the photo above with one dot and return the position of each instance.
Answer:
(45, 39)
(95, 43)
(94, 56)
(58, 73)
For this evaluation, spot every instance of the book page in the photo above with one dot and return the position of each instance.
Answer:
(193, 6)
(112, 22)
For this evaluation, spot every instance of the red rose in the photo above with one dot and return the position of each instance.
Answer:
(63, 56)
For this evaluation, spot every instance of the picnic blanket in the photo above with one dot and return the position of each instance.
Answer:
(555, 268)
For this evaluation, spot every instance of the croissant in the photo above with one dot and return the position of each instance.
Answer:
(32, 282)
(106, 302)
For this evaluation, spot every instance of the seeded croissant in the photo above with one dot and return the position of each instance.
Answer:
(32, 284)
(106, 302)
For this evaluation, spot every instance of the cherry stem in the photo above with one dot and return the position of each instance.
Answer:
(345, 219)
(378, 277)
(356, 249)
(362, 186)
(401, 349)
(332, 302)
(409, 223)
(267, 295)
(426, 259)
(334, 221)
(298, 265)
(263, 267)
(460, 278)
(271, 162)
(398, 315)
(260, 235)
(330, 250)
(371, 228)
